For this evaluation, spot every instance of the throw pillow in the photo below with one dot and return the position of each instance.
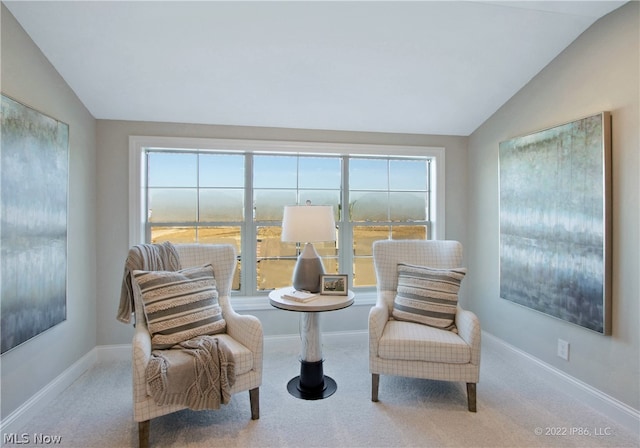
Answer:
(179, 305)
(428, 296)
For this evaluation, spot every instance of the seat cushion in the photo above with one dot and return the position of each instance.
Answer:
(427, 296)
(410, 341)
(242, 356)
(179, 305)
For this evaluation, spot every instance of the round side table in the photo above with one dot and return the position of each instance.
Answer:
(311, 384)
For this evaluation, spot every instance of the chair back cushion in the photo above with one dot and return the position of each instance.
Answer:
(388, 254)
(179, 305)
(428, 296)
(221, 256)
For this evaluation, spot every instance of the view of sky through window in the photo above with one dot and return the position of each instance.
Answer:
(202, 196)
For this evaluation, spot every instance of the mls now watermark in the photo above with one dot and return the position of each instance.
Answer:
(25, 438)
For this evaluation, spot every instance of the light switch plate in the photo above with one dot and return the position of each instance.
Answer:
(563, 349)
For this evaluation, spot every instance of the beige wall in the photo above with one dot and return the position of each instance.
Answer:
(29, 78)
(112, 179)
(598, 72)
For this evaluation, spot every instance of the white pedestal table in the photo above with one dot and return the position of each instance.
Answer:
(311, 384)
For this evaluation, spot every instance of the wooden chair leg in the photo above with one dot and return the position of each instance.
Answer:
(471, 396)
(143, 434)
(254, 399)
(375, 383)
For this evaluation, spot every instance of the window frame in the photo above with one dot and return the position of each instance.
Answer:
(137, 176)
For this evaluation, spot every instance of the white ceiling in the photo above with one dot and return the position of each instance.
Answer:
(427, 67)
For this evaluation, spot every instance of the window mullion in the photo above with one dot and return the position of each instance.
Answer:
(345, 233)
(147, 224)
(248, 245)
(429, 199)
(389, 197)
(197, 223)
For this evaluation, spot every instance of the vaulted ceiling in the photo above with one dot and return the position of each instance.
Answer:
(427, 67)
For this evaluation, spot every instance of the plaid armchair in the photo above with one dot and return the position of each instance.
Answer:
(412, 349)
(243, 336)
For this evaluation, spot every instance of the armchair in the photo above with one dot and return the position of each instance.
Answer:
(243, 336)
(398, 347)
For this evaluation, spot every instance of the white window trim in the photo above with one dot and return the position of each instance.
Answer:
(138, 144)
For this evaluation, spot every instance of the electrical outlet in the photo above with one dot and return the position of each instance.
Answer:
(563, 349)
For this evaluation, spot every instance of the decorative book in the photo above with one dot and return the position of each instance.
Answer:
(300, 296)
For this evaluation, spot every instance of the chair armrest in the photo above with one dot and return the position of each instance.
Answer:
(141, 345)
(247, 330)
(378, 317)
(141, 354)
(468, 326)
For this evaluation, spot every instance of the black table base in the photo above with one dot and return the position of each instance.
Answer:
(312, 384)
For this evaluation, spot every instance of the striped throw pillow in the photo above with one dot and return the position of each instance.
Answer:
(179, 305)
(428, 296)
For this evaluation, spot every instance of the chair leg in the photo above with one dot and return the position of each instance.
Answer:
(254, 399)
(375, 383)
(143, 434)
(471, 396)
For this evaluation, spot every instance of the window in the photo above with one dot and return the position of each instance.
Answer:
(388, 198)
(234, 191)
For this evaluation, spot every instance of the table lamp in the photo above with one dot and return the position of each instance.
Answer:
(308, 224)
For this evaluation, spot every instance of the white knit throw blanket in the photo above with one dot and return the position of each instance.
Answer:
(197, 374)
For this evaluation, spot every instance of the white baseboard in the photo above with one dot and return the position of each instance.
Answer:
(609, 406)
(18, 418)
(605, 404)
(113, 353)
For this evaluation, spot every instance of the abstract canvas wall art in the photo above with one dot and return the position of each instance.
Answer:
(34, 168)
(555, 221)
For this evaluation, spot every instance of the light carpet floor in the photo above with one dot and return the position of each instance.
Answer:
(513, 407)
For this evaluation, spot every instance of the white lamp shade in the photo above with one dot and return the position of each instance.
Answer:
(308, 224)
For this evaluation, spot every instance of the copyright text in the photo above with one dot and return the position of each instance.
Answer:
(573, 431)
